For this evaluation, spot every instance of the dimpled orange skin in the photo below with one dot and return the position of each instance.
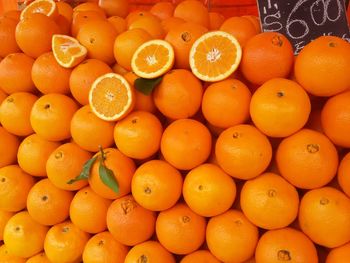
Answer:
(123, 168)
(240, 146)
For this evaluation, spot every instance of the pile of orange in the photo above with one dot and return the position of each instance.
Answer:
(173, 134)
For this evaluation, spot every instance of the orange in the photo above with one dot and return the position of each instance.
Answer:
(238, 147)
(63, 24)
(335, 122)
(286, 244)
(90, 132)
(126, 44)
(88, 211)
(82, 17)
(265, 56)
(4, 218)
(89, 6)
(343, 174)
(47, 204)
(180, 230)
(337, 255)
(200, 256)
(64, 164)
(103, 248)
(149, 251)
(15, 73)
(83, 76)
(156, 185)
(115, 8)
(255, 21)
(111, 97)
(215, 56)
(65, 243)
(138, 135)
(215, 20)
(226, 103)
(119, 23)
(33, 34)
(179, 94)
(23, 236)
(49, 76)
(15, 185)
(136, 14)
(182, 37)
(3, 96)
(208, 190)
(17, 107)
(123, 169)
(324, 215)
(150, 24)
(6, 257)
(327, 62)
(280, 107)
(7, 36)
(130, 223)
(307, 159)
(9, 144)
(186, 137)
(13, 14)
(67, 50)
(269, 201)
(119, 69)
(231, 237)
(142, 102)
(33, 153)
(153, 59)
(38, 258)
(65, 10)
(171, 23)
(193, 11)
(45, 7)
(98, 37)
(240, 27)
(51, 116)
(163, 10)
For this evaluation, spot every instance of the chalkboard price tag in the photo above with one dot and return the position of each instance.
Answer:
(304, 20)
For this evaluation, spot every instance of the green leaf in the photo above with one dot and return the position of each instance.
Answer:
(85, 172)
(107, 177)
(146, 86)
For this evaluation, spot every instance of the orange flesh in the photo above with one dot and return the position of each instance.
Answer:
(110, 97)
(152, 58)
(215, 56)
(40, 7)
(66, 49)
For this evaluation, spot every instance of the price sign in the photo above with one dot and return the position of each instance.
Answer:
(304, 20)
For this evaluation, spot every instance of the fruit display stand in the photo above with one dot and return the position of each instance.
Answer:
(187, 131)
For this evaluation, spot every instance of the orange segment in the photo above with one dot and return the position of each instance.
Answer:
(45, 7)
(111, 97)
(215, 56)
(67, 50)
(152, 59)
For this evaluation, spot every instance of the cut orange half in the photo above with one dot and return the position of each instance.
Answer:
(46, 7)
(152, 59)
(67, 50)
(215, 56)
(111, 97)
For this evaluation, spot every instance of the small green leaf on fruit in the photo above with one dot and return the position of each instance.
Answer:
(107, 177)
(146, 86)
(85, 172)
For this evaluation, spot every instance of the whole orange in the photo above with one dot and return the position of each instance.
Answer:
(33, 34)
(15, 73)
(180, 230)
(17, 107)
(186, 137)
(193, 11)
(15, 185)
(7, 36)
(322, 66)
(82, 17)
(115, 8)
(130, 223)
(150, 24)
(163, 10)
(238, 147)
(88, 211)
(156, 185)
(47, 204)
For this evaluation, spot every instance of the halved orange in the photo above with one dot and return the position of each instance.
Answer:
(111, 97)
(152, 59)
(46, 7)
(67, 50)
(215, 56)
